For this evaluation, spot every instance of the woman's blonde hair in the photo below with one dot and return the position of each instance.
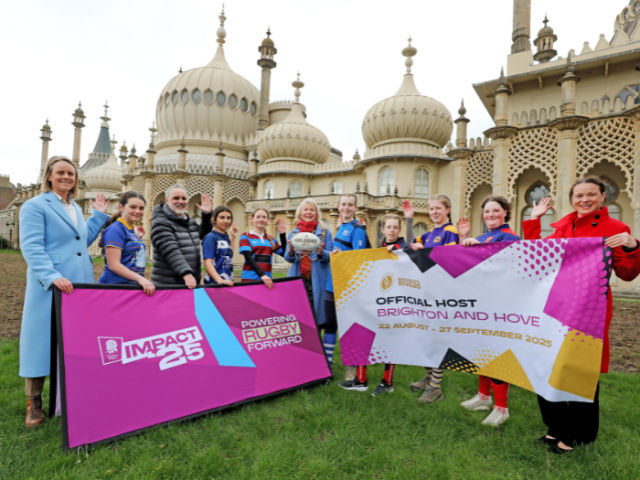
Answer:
(312, 202)
(46, 184)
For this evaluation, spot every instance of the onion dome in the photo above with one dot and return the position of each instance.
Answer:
(408, 116)
(267, 41)
(206, 102)
(106, 177)
(294, 138)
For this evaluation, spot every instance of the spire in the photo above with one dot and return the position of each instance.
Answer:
(409, 52)
(222, 33)
(297, 84)
(114, 142)
(180, 71)
(105, 118)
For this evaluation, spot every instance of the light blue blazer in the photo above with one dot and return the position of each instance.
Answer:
(53, 248)
(319, 270)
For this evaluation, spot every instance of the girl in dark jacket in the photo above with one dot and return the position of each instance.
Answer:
(391, 228)
(575, 423)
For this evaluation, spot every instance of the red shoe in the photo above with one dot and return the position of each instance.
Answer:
(35, 415)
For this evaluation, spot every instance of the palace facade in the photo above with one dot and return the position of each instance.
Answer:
(556, 119)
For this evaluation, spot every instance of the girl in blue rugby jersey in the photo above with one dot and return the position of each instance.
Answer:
(124, 252)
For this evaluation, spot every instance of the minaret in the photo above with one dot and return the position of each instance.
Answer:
(78, 122)
(461, 124)
(46, 138)
(267, 51)
(544, 43)
(521, 26)
(500, 135)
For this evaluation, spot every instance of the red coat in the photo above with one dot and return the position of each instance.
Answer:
(596, 224)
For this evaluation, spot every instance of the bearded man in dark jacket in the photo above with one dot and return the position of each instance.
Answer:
(175, 237)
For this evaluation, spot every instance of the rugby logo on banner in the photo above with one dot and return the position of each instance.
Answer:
(531, 313)
(190, 351)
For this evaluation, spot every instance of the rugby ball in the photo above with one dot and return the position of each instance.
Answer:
(305, 241)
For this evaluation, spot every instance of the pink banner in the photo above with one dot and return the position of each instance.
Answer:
(132, 361)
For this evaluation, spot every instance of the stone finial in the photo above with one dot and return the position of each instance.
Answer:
(356, 156)
(133, 150)
(309, 191)
(358, 187)
(409, 52)
(462, 110)
(114, 142)
(297, 84)
(502, 80)
(180, 70)
(395, 190)
(366, 187)
(222, 33)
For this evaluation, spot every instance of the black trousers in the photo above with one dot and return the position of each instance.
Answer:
(331, 318)
(573, 423)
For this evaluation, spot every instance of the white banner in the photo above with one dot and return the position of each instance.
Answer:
(529, 313)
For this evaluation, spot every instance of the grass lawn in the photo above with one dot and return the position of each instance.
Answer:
(327, 432)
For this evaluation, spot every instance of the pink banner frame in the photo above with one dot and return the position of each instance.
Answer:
(182, 353)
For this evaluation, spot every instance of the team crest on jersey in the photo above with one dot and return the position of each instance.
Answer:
(437, 239)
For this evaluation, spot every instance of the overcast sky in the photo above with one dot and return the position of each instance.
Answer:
(55, 53)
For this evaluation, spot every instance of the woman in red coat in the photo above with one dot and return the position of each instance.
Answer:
(576, 423)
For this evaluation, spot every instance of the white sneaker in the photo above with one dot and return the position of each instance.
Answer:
(496, 417)
(476, 403)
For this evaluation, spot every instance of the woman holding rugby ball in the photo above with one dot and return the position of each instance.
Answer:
(313, 266)
(496, 212)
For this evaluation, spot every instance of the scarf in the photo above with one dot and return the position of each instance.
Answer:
(305, 261)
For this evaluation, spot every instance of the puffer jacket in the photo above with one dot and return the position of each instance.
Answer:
(176, 245)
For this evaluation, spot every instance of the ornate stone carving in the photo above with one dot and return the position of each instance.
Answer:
(536, 148)
(501, 132)
(612, 139)
(569, 123)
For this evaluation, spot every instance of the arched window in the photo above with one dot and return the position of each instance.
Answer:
(221, 98)
(295, 189)
(615, 212)
(174, 98)
(196, 96)
(337, 187)
(233, 101)
(185, 96)
(422, 184)
(536, 193)
(208, 97)
(269, 189)
(420, 229)
(386, 180)
(612, 192)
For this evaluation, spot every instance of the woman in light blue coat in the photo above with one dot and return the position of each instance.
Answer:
(54, 239)
(314, 266)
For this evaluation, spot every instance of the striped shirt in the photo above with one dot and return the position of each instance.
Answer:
(262, 250)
